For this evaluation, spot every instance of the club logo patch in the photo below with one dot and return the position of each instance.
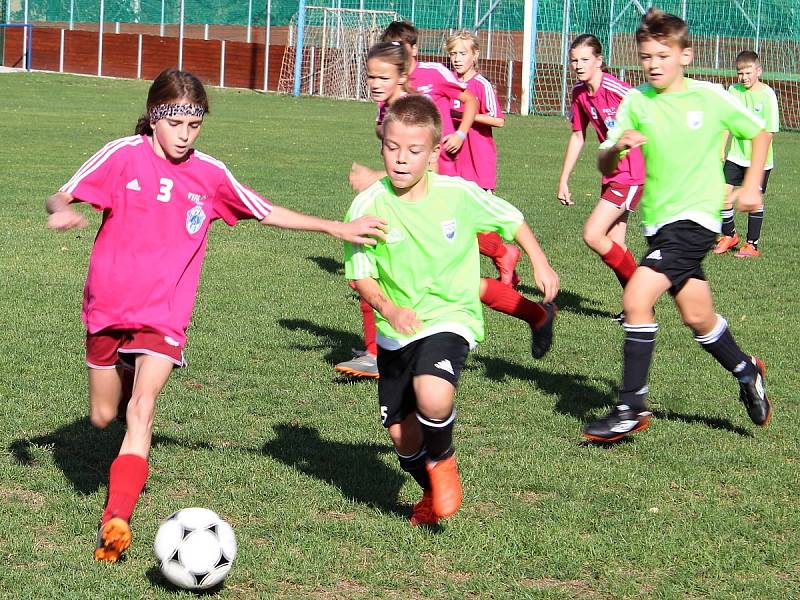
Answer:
(194, 219)
(394, 236)
(694, 119)
(758, 107)
(610, 123)
(449, 230)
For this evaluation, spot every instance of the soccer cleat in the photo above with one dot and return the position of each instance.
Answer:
(446, 494)
(422, 512)
(753, 395)
(542, 336)
(616, 424)
(361, 365)
(726, 243)
(748, 251)
(619, 317)
(113, 538)
(506, 265)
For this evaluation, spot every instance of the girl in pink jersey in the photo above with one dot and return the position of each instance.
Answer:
(595, 99)
(159, 197)
(477, 160)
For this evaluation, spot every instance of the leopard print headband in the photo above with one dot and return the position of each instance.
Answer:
(165, 111)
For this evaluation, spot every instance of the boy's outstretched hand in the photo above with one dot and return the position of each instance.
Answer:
(746, 199)
(66, 218)
(547, 281)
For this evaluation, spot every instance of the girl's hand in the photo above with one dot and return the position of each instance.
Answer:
(362, 177)
(403, 320)
(363, 230)
(564, 195)
(629, 140)
(66, 218)
(452, 143)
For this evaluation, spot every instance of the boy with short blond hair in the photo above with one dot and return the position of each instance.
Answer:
(424, 284)
(678, 123)
(760, 99)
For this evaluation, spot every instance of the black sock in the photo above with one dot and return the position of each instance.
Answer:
(438, 435)
(754, 221)
(720, 344)
(728, 226)
(637, 351)
(415, 466)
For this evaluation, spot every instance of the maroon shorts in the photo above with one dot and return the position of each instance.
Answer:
(111, 347)
(622, 195)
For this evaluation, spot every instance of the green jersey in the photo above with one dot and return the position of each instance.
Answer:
(683, 171)
(429, 261)
(763, 103)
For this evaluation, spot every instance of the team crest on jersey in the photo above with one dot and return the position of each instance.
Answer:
(758, 107)
(449, 230)
(694, 119)
(610, 122)
(194, 219)
(395, 235)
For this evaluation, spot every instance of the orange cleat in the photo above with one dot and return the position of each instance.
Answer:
(422, 512)
(506, 265)
(445, 486)
(726, 243)
(748, 251)
(113, 539)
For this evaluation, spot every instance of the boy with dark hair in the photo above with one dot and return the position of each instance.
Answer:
(760, 99)
(424, 284)
(678, 123)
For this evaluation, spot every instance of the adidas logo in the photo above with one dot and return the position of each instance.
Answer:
(133, 184)
(655, 255)
(445, 365)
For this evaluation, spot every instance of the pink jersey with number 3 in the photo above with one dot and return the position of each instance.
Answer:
(145, 264)
(600, 109)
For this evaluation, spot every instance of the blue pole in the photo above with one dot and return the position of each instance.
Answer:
(30, 48)
(298, 57)
(535, 32)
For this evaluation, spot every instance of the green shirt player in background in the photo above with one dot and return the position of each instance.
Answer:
(760, 99)
(678, 123)
(424, 282)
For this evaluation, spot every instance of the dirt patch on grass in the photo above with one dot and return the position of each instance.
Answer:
(22, 496)
(579, 589)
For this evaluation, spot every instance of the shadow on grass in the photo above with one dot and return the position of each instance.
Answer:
(577, 394)
(711, 422)
(338, 343)
(355, 469)
(83, 452)
(330, 265)
(571, 302)
(157, 579)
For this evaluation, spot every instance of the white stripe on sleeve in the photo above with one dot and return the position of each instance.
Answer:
(97, 159)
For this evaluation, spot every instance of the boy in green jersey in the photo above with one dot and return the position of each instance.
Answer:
(678, 123)
(424, 283)
(760, 99)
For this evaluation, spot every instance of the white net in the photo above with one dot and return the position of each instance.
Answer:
(335, 44)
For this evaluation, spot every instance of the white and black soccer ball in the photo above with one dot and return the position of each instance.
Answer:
(196, 548)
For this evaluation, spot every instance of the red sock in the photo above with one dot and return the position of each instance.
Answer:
(491, 244)
(621, 262)
(126, 481)
(505, 299)
(370, 328)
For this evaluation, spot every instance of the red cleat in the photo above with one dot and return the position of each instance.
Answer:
(422, 512)
(726, 243)
(748, 251)
(445, 486)
(506, 265)
(113, 539)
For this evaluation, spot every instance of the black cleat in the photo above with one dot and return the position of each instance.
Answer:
(616, 424)
(753, 395)
(542, 336)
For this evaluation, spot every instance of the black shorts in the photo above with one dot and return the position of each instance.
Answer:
(676, 250)
(441, 354)
(734, 175)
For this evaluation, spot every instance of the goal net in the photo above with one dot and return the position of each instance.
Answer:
(335, 45)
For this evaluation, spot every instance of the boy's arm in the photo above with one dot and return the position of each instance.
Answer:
(544, 275)
(62, 215)
(453, 142)
(362, 177)
(748, 197)
(490, 121)
(573, 151)
(402, 320)
(609, 156)
(364, 230)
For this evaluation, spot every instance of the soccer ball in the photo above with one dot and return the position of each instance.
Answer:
(196, 548)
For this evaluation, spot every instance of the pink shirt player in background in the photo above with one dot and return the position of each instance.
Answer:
(595, 99)
(477, 160)
(159, 197)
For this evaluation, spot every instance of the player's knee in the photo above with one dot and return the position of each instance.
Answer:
(100, 417)
(592, 237)
(698, 321)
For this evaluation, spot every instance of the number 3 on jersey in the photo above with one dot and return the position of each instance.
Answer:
(165, 192)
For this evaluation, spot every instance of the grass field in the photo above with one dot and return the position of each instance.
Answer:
(260, 429)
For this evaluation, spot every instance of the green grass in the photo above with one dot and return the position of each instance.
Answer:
(259, 429)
